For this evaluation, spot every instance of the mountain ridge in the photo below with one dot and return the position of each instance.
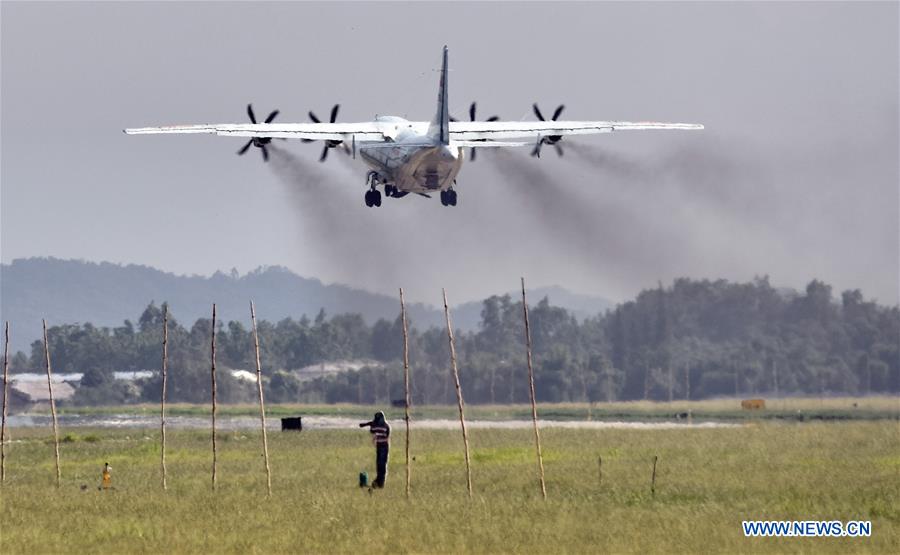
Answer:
(66, 291)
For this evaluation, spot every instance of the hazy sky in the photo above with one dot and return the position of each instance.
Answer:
(796, 175)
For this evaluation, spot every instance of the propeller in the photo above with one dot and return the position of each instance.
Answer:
(259, 142)
(551, 139)
(328, 143)
(472, 108)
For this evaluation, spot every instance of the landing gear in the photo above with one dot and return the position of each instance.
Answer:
(373, 198)
(393, 192)
(448, 197)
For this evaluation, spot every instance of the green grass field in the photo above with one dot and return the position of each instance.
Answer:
(708, 481)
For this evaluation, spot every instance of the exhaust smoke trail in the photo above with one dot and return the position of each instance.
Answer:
(604, 159)
(604, 220)
(412, 241)
(623, 220)
(315, 192)
(585, 228)
(333, 227)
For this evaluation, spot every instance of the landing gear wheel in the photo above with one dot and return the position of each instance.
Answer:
(370, 199)
(376, 198)
(448, 197)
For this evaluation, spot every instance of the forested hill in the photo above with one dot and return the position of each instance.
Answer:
(105, 294)
(690, 340)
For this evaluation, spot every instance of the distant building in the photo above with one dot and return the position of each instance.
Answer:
(332, 368)
(30, 395)
(41, 377)
(243, 376)
(28, 391)
(75, 377)
(132, 376)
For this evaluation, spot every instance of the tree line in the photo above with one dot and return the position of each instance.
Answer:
(694, 339)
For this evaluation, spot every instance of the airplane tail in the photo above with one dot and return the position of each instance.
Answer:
(439, 128)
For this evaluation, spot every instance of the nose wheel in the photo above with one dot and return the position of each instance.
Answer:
(448, 197)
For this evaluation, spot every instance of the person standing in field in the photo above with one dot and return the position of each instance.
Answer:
(381, 437)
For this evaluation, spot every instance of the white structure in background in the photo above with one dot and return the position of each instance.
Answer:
(75, 377)
(33, 395)
(28, 391)
(245, 376)
(332, 368)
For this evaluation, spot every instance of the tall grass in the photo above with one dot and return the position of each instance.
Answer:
(708, 481)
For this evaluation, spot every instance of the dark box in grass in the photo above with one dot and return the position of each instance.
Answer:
(292, 423)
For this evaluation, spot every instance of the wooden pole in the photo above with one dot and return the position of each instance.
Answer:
(646, 382)
(734, 371)
(262, 405)
(653, 477)
(600, 470)
(162, 404)
(406, 383)
(5, 404)
(459, 397)
(671, 383)
(213, 374)
(687, 382)
(52, 403)
(775, 375)
(537, 434)
(609, 386)
(493, 376)
(868, 376)
(584, 391)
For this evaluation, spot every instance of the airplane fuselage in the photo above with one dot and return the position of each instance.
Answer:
(412, 162)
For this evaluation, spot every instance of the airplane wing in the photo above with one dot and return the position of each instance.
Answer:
(365, 131)
(481, 130)
(463, 133)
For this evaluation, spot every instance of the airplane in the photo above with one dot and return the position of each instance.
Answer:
(413, 156)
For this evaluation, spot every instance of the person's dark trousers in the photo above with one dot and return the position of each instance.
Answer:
(381, 462)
